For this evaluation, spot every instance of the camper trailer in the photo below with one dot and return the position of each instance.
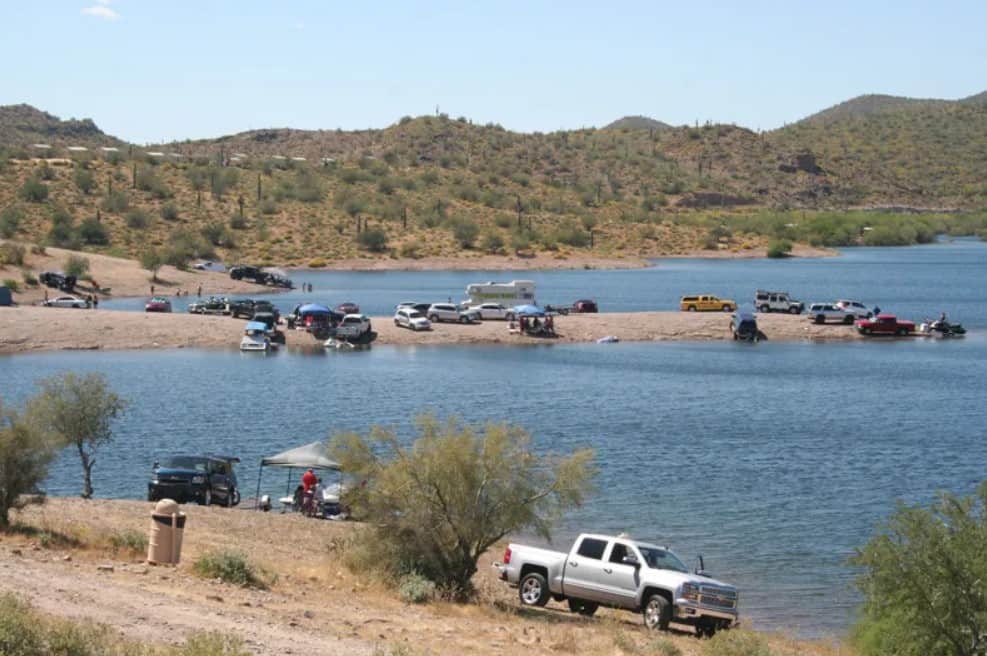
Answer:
(515, 292)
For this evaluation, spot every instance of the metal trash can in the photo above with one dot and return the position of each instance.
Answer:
(164, 545)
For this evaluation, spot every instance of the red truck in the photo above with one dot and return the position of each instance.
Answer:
(885, 324)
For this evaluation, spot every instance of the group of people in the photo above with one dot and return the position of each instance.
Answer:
(179, 292)
(306, 286)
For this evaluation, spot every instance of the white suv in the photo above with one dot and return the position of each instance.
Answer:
(826, 312)
(448, 312)
(409, 317)
(856, 308)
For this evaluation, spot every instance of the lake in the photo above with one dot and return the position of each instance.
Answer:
(774, 460)
(916, 282)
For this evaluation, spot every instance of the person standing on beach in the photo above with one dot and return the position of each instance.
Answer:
(95, 301)
(152, 290)
(199, 294)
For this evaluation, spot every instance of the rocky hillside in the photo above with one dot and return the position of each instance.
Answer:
(23, 125)
(883, 104)
(434, 186)
(637, 123)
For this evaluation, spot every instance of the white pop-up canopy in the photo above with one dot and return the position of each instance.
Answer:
(309, 456)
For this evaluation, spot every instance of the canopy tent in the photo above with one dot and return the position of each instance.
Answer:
(314, 308)
(257, 326)
(309, 456)
(530, 310)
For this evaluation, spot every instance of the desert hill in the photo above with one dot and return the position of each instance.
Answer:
(637, 123)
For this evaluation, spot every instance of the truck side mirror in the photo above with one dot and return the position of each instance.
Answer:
(700, 567)
(631, 559)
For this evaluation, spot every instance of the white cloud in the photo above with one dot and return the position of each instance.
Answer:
(101, 10)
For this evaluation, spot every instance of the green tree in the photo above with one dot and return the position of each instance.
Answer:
(780, 248)
(24, 459)
(10, 222)
(436, 506)
(77, 266)
(924, 580)
(465, 231)
(93, 232)
(152, 260)
(77, 411)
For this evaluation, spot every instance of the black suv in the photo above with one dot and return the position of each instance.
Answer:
(204, 479)
(57, 281)
(241, 271)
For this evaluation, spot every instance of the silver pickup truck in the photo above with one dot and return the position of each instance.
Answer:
(601, 570)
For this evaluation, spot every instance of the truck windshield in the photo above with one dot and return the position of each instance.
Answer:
(661, 559)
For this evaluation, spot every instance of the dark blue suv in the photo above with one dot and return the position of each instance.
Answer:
(203, 479)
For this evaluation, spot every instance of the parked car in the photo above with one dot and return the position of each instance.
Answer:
(828, 313)
(206, 265)
(348, 307)
(856, 308)
(885, 324)
(275, 280)
(66, 302)
(601, 570)
(706, 303)
(158, 304)
(212, 305)
(585, 306)
(408, 317)
(242, 307)
(767, 301)
(493, 311)
(57, 280)
(743, 326)
(448, 312)
(204, 479)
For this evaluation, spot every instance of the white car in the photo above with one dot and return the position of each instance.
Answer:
(448, 312)
(829, 312)
(408, 317)
(65, 302)
(493, 311)
(353, 326)
(856, 308)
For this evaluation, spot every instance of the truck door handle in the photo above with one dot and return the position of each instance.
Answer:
(608, 570)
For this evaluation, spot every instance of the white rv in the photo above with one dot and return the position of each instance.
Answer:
(515, 292)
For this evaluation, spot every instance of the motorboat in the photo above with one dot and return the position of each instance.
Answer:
(255, 338)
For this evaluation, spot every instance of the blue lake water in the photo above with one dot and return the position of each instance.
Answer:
(774, 460)
(915, 282)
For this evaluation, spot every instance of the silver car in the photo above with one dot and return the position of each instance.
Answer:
(494, 311)
(66, 302)
(448, 312)
(856, 308)
(829, 313)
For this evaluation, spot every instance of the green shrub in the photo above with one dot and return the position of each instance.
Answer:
(493, 243)
(238, 222)
(62, 232)
(373, 239)
(13, 285)
(415, 589)
(138, 219)
(148, 180)
(84, 180)
(93, 232)
(571, 235)
(169, 212)
(465, 231)
(77, 266)
(29, 279)
(411, 249)
(11, 254)
(25, 453)
(316, 263)
(19, 631)
(204, 643)
(735, 643)
(132, 541)
(10, 222)
(230, 567)
(779, 248)
(116, 202)
(663, 647)
(268, 206)
(504, 221)
(520, 241)
(34, 190)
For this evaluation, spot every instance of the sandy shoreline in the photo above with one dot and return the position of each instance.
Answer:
(27, 329)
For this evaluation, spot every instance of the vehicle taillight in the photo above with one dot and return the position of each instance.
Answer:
(507, 556)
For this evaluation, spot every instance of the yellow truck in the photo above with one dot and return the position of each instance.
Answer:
(706, 303)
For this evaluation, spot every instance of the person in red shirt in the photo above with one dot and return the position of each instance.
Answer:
(308, 491)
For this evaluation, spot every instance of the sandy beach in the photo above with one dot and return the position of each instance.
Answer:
(25, 329)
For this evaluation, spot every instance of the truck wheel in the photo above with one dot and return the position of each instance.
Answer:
(533, 590)
(794, 310)
(657, 613)
(464, 319)
(764, 308)
(902, 332)
(820, 319)
(584, 608)
(691, 308)
(434, 318)
(726, 308)
(706, 628)
(848, 320)
(206, 498)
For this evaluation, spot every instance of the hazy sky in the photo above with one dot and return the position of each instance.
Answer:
(154, 70)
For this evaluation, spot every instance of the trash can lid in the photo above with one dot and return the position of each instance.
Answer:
(166, 507)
